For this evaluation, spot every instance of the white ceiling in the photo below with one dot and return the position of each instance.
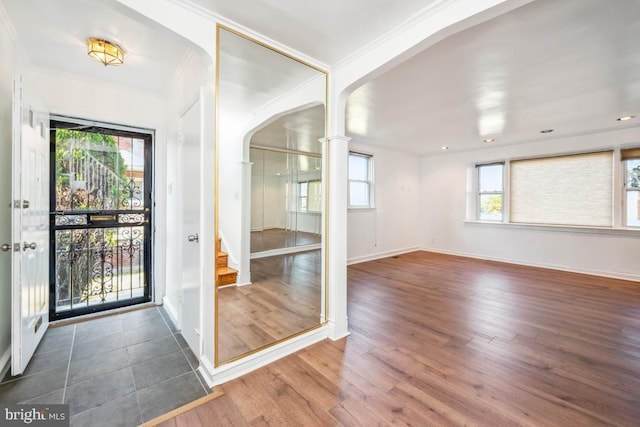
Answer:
(328, 30)
(570, 65)
(252, 75)
(53, 35)
(300, 131)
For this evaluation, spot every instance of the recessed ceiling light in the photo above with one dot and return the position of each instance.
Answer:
(625, 118)
(489, 140)
(444, 147)
(546, 131)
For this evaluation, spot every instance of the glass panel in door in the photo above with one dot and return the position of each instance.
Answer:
(100, 219)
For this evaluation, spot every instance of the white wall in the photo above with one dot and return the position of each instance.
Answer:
(444, 194)
(392, 227)
(186, 88)
(268, 202)
(230, 173)
(308, 222)
(79, 96)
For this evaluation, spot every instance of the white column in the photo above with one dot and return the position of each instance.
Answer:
(244, 275)
(336, 236)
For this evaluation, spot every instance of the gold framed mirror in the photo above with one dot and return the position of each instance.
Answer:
(270, 196)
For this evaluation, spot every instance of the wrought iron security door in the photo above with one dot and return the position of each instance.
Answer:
(100, 219)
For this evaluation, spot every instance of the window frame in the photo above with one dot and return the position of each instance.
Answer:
(480, 193)
(370, 181)
(317, 182)
(568, 216)
(626, 155)
(618, 183)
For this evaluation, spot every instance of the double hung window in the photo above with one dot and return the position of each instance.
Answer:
(310, 196)
(631, 160)
(360, 180)
(490, 191)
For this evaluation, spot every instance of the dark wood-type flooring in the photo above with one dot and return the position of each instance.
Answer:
(283, 299)
(443, 340)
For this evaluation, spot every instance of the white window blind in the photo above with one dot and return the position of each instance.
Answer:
(564, 190)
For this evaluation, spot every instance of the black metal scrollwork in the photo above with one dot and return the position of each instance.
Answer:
(131, 218)
(101, 273)
(132, 195)
(71, 219)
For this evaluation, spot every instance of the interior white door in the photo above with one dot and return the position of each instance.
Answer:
(190, 158)
(30, 229)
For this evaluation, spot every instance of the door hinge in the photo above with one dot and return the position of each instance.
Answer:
(16, 247)
(17, 204)
(38, 324)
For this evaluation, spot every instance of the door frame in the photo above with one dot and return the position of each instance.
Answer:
(149, 197)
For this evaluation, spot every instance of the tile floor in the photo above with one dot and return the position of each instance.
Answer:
(120, 370)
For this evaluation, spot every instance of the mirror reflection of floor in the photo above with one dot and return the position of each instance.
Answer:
(278, 238)
(283, 299)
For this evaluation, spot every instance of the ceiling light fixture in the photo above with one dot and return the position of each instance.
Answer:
(625, 118)
(489, 140)
(546, 131)
(444, 147)
(104, 51)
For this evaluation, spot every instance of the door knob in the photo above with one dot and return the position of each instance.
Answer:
(27, 245)
(193, 237)
(6, 247)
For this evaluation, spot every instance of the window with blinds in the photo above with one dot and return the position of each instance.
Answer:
(564, 190)
(631, 159)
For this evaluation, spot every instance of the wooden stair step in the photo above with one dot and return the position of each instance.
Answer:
(222, 259)
(226, 276)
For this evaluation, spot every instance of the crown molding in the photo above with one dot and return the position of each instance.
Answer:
(417, 19)
(219, 19)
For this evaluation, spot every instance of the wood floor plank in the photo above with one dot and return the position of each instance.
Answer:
(439, 340)
(224, 413)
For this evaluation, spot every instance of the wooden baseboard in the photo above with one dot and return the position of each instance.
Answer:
(181, 410)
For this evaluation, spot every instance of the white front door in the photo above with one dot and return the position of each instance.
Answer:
(190, 157)
(30, 228)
